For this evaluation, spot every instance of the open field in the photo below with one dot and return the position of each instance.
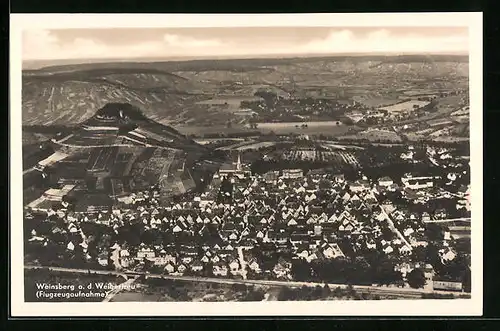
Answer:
(214, 129)
(375, 100)
(263, 144)
(374, 135)
(327, 128)
(406, 106)
(450, 102)
(34, 138)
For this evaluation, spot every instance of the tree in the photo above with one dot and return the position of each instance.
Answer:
(301, 270)
(239, 287)
(419, 254)
(385, 274)
(416, 278)
(286, 294)
(254, 295)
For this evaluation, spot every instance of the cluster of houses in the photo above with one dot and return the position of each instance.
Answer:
(299, 216)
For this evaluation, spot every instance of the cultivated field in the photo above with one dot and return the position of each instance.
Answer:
(374, 135)
(315, 155)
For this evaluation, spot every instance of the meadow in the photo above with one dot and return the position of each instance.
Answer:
(406, 106)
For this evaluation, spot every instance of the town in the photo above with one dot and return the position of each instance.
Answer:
(282, 178)
(367, 226)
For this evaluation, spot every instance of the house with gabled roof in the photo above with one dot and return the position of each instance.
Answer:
(332, 251)
(169, 268)
(253, 264)
(234, 266)
(312, 220)
(163, 258)
(282, 269)
(404, 249)
(145, 252)
(220, 269)
(234, 236)
(370, 244)
(196, 266)
(333, 218)
(205, 258)
(440, 214)
(447, 254)
(181, 269)
(359, 186)
(314, 255)
(388, 249)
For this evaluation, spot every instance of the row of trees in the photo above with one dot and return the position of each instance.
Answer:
(348, 271)
(305, 293)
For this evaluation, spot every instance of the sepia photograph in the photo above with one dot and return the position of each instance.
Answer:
(306, 164)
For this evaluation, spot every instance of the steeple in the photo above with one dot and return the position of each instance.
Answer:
(238, 164)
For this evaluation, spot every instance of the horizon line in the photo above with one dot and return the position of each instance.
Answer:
(186, 58)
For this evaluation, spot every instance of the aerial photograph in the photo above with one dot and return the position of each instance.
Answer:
(246, 164)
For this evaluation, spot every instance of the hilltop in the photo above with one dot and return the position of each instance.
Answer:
(119, 149)
(241, 64)
(122, 124)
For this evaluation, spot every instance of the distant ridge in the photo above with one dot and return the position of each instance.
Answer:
(187, 62)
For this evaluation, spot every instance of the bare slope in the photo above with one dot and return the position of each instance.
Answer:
(74, 96)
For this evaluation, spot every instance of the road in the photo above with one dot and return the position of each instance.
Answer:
(393, 228)
(28, 170)
(243, 263)
(391, 291)
(463, 219)
(391, 224)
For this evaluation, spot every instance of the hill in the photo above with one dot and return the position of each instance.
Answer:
(117, 150)
(73, 96)
(122, 124)
(242, 64)
(206, 93)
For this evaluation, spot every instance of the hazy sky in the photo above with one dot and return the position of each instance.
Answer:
(194, 42)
